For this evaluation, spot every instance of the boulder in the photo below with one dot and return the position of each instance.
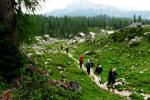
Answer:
(89, 52)
(81, 34)
(60, 68)
(75, 86)
(73, 41)
(135, 41)
(110, 32)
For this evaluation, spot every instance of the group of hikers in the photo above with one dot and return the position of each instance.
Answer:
(67, 49)
(98, 70)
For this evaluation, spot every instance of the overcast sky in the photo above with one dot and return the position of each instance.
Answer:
(50, 5)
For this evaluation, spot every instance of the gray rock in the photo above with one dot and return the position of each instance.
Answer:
(60, 68)
(75, 86)
(135, 41)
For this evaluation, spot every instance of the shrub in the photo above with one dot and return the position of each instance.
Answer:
(135, 96)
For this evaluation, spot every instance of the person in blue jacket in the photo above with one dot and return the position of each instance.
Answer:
(88, 66)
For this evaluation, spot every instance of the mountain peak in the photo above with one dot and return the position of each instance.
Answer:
(87, 8)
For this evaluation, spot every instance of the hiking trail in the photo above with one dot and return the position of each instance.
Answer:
(125, 93)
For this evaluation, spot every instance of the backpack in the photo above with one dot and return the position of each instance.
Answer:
(88, 64)
(98, 70)
(81, 59)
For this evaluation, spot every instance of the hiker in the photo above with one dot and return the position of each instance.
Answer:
(111, 78)
(81, 60)
(88, 66)
(98, 71)
(61, 47)
(67, 50)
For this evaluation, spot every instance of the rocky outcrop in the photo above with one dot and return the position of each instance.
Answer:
(135, 41)
(66, 84)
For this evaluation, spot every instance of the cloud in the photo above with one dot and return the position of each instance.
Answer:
(126, 4)
(50, 5)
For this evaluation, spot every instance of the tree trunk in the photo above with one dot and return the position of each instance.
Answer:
(7, 15)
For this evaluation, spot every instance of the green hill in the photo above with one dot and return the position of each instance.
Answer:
(51, 72)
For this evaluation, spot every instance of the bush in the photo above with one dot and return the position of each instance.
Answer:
(38, 88)
(126, 33)
(135, 96)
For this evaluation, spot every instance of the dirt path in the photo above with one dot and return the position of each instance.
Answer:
(104, 86)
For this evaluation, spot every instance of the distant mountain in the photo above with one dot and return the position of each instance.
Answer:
(86, 8)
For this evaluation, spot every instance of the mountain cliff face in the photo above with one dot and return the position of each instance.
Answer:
(86, 8)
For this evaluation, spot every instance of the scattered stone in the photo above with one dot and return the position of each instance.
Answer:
(73, 41)
(60, 68)
(141, 72)
(29, 55)
(141, 91)
(81, 34)
(61, 72)
(92, 34)
(148, 98)
(46, 36)
(49, 59)
(46, 62)
(135, 41)
(49, 70)
(118, 84)
(126, 39)
(81, 40)
(147, 33)
(75, 86)
(89, 52)
(68, 63)
(110, 32)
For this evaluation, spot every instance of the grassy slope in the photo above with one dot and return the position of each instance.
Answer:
(90, 91)
(129, 62)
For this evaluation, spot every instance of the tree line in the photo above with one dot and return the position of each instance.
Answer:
(64, 26)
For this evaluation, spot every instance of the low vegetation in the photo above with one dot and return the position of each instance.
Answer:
(132, 63)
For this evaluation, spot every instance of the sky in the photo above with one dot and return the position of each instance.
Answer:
(50, 5)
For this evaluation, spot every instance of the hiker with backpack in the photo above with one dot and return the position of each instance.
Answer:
(111, 78)
(61, 47)
(67, 50)
(81, 60)
(88, 66)
(98, 71)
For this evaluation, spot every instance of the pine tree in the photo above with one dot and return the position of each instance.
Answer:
(134, 18)
(139, 18)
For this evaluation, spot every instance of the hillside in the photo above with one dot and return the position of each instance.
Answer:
(39, 54)
(131, 62)
(52, 74)
(49, 76)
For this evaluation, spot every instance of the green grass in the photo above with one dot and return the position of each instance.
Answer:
(35, 87)
(118, 55)
(129, 62)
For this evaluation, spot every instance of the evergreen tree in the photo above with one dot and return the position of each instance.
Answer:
(139, 18)
(134, 18)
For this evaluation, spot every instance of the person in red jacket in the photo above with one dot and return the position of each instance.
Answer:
(81, 61)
